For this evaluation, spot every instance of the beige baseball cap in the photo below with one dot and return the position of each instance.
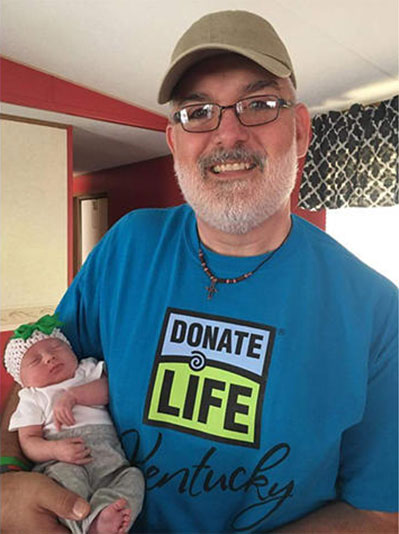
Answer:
(240, 32)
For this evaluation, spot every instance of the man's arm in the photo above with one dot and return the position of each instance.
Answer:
(341, 518)
(90, 394)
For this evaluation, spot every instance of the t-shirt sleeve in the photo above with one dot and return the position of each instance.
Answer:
(80, 307)
(368, 477)
(28, 411)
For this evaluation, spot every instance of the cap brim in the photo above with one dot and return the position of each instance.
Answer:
(195, 55)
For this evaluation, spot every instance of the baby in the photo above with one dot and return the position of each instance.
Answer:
(86, 457)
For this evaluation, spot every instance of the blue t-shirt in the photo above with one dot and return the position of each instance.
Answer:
(255, 407)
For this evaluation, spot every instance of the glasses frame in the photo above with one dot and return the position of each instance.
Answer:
(281, 103)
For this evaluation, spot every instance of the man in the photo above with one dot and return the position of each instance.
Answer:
(251, 359)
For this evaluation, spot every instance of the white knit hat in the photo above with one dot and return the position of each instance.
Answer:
(19, 344)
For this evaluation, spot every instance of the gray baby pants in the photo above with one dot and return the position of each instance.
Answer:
(105, 479)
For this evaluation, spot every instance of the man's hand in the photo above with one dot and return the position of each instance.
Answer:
(71, 450)
(31, 503)
(63, 409)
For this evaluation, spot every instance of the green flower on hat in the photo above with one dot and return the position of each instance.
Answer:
(45, 324)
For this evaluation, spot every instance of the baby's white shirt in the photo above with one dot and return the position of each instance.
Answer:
(35, 406)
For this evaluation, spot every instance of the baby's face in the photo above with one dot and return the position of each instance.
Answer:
(47, 362)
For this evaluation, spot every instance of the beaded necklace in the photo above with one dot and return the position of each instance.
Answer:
(216, 280)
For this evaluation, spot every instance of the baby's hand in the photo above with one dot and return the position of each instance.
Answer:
(62, 409)
(72, 451)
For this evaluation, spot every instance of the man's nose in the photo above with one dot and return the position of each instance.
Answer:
(231, 131)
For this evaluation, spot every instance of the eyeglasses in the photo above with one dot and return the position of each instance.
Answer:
(253, 111)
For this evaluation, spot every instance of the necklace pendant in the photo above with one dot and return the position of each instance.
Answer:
(212, 288)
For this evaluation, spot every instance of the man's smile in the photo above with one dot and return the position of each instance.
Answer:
(231, 163)
(233, 167)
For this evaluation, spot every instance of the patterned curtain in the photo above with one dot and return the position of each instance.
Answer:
(353, 158)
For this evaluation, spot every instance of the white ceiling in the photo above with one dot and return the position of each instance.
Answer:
(344, 51)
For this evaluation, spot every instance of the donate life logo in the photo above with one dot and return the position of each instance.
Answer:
(209, 377)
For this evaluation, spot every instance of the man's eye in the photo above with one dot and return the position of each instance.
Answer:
(203, 112)
(261, 105)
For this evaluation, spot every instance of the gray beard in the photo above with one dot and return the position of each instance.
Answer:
(237, 206)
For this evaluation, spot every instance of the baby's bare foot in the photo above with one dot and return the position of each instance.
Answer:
(114, 519)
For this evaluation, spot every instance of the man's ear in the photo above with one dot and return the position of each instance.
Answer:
(303, 129)
(170, 137)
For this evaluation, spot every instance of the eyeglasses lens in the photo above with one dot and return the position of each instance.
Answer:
(258, 110)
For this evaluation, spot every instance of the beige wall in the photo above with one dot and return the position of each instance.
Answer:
(33, 220)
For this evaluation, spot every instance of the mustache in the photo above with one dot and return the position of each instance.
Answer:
(223, 155)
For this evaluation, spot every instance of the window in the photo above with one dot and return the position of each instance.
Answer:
(371, 234)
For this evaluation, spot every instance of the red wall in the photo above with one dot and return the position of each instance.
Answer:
(26, 86)
(146, 184)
